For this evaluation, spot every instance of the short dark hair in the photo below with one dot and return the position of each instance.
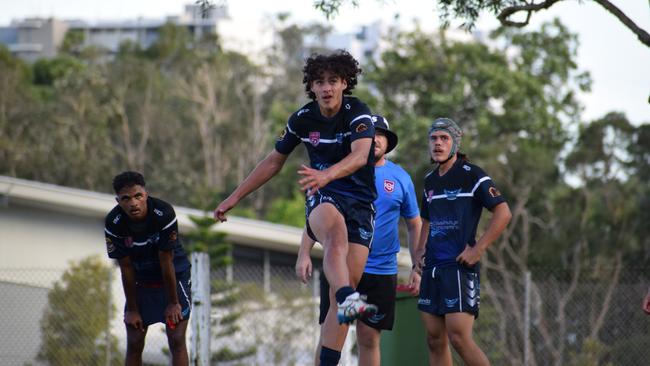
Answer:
(340, 63)
(127, 179)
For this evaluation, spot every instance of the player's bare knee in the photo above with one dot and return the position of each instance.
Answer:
(459, 340)
(436, 341)
(176, 342)
(135, 344)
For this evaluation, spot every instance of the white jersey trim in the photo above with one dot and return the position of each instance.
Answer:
(170, 224)
(360, 117)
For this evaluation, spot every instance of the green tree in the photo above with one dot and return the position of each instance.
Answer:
(506, 11)
(75, 328)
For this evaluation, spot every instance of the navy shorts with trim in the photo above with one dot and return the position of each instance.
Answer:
(450, 289)
(381, 291)
(359, 216)
(152, 300)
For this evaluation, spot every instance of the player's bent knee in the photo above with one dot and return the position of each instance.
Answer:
(436, 342)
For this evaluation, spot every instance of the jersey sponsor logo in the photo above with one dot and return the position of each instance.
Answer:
(281, 135)
(128, 242)
(347, 106)
(117, 218)
(422, 301)
(173, 236)
(442, 227)
(376, 318)
(429, 196)
(466, 167)
(361, 127)
(452, 195)
(389, 186)
(157, 212)
(450, 303)
(304, 110)
(494, 192)
(110, 246)
(314, 138)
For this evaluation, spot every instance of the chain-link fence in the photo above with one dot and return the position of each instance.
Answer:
(262, 315)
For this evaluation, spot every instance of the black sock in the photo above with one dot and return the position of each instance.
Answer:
(343, 292)
(329, 357)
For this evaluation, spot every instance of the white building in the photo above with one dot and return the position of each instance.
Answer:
(34, 38)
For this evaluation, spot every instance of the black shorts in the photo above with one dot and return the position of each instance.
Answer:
(450, 289)
(359, 216)
(381, 291)
(152, 300)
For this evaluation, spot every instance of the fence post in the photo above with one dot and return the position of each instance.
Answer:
(200, 322)
(527, 284)
(109, 313)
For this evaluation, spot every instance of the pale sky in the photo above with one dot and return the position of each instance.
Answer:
(619, 64)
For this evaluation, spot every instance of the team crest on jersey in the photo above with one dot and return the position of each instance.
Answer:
(429, 195)
(314, 138)
(494, 192)
(128, 242)
(361, 127)
(452, 195)
(389, 186)
(281, 135)
(110, 247)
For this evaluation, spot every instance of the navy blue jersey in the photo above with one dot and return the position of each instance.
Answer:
(142, 240)
(453, 204)
(328, 141)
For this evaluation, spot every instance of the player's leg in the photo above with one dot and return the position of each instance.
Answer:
(381, 291)
(368, 340)
(176, 333)
(459, 330)
(439, 353)
(134, 345)
(333, 333)
(177, 344)
(328, 225)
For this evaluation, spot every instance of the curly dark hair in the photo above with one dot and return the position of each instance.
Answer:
(340, 63)
(127, 179)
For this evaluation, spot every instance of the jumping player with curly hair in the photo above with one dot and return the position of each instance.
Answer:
(338, 133)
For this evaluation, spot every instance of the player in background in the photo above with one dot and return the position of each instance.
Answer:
(455, 193)
(142, 234)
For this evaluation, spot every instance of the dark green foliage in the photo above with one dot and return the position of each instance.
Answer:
(75, 325)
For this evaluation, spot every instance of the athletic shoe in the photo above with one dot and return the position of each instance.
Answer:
(354, 307)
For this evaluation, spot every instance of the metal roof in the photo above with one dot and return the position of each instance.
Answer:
(255, 233)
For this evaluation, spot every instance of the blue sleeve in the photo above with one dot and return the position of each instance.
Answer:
(487, 193)
(409, 207)
(288, 139)
(361, 125)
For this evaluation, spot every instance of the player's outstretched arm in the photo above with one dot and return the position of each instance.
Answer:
(303, 262)
(265, 170)
(314, 179)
